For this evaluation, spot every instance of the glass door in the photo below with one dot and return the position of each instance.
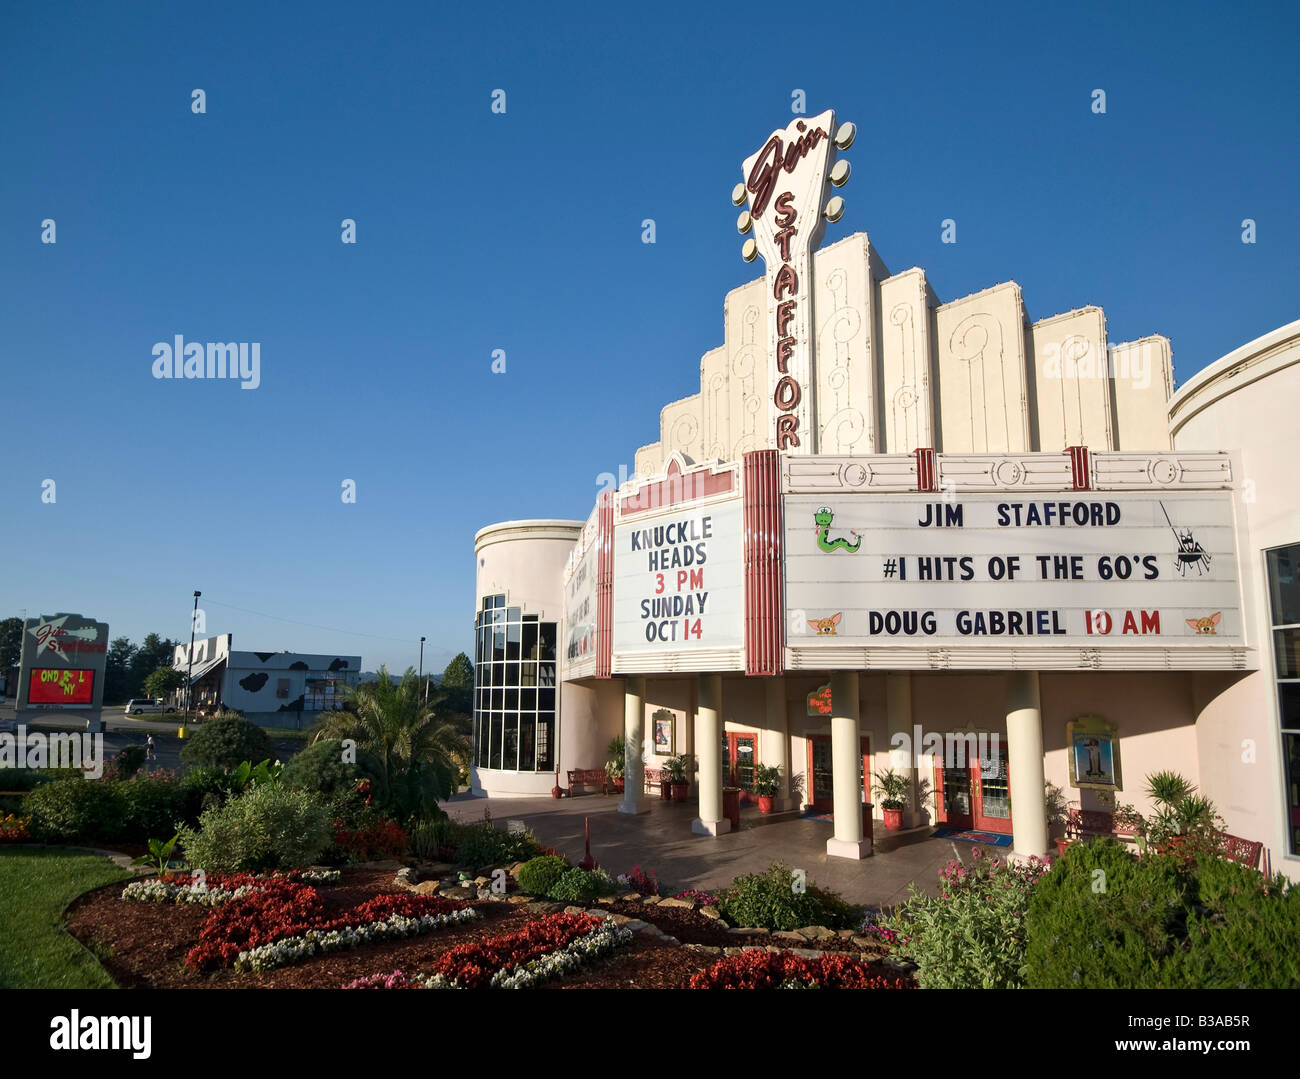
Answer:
(991, 780)
(952, 795)
(819, 773)
(739, 762)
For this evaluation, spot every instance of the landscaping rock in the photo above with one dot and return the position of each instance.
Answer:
(406, 877)
(519, 899)
(596, 912)
(686, 904)
(638, 926)
(426, 887)
(711, 912)
(651, 899)
(787, 934)
(513, 871)
(807, 953)
(574, 910)
(817, 932)
(540, 906)
(733, 951)
(457, 893)
(630, 897)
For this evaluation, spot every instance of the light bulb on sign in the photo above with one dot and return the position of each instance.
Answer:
(834, 209)
(845, 134)
(738, 195)
(840, 174)
(744, 222)
(750, 251)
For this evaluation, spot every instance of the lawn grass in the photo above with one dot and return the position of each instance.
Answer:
(36, 887)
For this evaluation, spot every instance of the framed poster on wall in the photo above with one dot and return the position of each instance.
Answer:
(1094, 754)
(665, 730)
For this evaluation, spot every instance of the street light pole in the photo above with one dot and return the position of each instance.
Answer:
(189, 678)
(426, 684)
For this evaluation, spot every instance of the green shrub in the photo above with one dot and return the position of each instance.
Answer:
(75, 810)
(1159, 922)
(22, 779)
(538, 876)
(127, 763)
(777, 899)
(153, 806)
(483, 845)
(225, 742)
(972, 936)
(581, 886)
(320, 768)
(270, 827)
(431, 838)
(205, 787)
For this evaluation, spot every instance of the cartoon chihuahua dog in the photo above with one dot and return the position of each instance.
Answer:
(1205, 625)
(825, 627)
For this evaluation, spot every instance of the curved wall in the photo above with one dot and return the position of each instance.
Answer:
(1247, 402)
(524, 560)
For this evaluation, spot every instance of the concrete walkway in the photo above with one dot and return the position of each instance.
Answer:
(661, 842)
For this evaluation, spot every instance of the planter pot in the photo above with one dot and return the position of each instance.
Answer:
(765, 803)
(680, 791)
(666, 790)
(555, 792)
(893, 819)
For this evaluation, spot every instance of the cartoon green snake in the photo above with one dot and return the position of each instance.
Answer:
(824, 517)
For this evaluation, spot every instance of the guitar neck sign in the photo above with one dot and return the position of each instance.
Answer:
(786, 182)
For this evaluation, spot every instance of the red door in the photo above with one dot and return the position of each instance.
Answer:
(820, 772)
(952, 795)
(991, 780)
(739, 762)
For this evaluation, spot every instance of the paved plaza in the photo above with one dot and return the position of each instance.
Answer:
(661, 841)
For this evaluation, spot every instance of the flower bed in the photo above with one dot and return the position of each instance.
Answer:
(755, 969)
(290, 913)
(213, 889)
(548, 948)
(13, 829)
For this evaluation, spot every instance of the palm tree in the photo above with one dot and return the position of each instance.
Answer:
(418, 751)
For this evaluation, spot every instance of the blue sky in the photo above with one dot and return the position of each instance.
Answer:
(478, 231)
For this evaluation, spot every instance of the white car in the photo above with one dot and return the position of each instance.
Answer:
(138, 706)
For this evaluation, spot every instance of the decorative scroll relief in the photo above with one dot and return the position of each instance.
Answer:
(1085, 568)
(1073, 373)
(982, 373)
(747, 391)
(1175, 471)
(905, 363)
(882, 472)
(715, 401)
(843, 306)
(1027, 471)
(680, 424)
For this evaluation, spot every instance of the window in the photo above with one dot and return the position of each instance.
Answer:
(514, 719)
(1284, 606)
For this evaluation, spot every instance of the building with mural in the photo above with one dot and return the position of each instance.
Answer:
(272, 689)
(890, 524)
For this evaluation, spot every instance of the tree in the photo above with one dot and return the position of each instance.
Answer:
(418, 751)
(153, 652)
(11, 643)
(457, 685)
(164, 682)
(117, 670)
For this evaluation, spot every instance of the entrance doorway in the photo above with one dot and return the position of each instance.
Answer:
(821, 772)
(976, 794)
(739, 762)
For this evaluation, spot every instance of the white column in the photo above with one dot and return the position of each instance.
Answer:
(846, 760)
(777, 722)
(708, 740)
(634, 800)
(898, 708)
(1025, 758)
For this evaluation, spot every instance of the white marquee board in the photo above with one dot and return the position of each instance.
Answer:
(1085, 568)
(679, 581)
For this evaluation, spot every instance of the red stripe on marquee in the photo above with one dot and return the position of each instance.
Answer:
(764, 595)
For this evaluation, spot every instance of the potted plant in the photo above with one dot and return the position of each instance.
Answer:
(679, 769)
(617, 751)
(767, 785)
(894, 788)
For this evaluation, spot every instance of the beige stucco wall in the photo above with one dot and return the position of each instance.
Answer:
(895, 369)
(1247, 402)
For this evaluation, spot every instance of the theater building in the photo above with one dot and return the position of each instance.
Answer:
(889, 524)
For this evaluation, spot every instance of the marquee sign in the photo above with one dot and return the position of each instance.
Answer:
(679, 581)
(62, 664)
(1092, 569)
(580, 609)
(785, 184)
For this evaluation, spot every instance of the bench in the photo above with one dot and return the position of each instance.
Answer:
(588, 777)
(1091, 823)
(1244, 851)
(653, 778)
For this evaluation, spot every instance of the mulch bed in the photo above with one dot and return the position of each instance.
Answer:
(143, 945)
